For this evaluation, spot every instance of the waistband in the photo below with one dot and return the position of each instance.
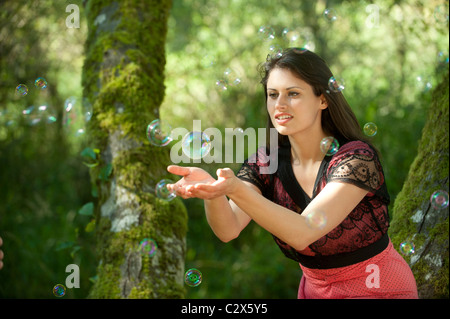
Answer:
(344, 259)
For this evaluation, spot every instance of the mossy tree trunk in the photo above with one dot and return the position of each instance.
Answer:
(414, 218)
(123, 78)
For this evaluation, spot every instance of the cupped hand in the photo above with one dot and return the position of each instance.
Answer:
(191, 176)
(198, 183)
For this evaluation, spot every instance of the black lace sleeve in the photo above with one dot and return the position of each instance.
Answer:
(250, 171)
(357, 163)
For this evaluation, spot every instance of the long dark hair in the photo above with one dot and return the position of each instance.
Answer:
(338, 119)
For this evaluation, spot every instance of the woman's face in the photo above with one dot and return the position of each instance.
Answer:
(292, 105)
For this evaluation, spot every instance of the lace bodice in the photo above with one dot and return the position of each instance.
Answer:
(356, 163)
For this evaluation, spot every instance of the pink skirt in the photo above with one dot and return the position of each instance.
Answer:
(384, 276)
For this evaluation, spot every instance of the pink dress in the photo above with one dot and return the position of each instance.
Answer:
(356, 259)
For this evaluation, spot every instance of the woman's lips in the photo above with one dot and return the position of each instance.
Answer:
(283, 118)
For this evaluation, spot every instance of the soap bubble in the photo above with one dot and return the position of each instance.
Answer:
(330, 14)
(148, 247)
(87, 110)
(329, 145)
(69, 103)
(370, 129)
(59, 290)
(40, 83)
(196, 145)
(441, 14)
(336, 85)
(316, 219)
(159, 133)
(21, 90)
(439, 199)
(222, 85)
(275, 51)
(162, 192)
(208, 60)
(193, 277)
(266, 33)
(291, 36)
(407, 248)
(423, 84)
(230, 78)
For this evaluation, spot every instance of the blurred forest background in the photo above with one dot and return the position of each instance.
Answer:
(391, 55)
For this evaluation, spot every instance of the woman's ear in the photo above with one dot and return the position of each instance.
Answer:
(323, 102)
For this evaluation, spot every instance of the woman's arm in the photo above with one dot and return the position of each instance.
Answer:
(335, 201)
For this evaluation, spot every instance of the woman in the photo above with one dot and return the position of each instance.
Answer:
(347, 253)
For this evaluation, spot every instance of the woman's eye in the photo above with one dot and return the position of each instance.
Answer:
(273, 95)
(293, 93)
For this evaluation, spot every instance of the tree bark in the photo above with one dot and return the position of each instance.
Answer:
(123, 78)
(414, 218)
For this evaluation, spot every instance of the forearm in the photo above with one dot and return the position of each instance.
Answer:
(222, 219)
(278, 220)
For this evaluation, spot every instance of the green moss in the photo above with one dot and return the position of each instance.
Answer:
(428, 173)
(123, 76)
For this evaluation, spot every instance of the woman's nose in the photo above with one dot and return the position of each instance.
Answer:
(281, 102)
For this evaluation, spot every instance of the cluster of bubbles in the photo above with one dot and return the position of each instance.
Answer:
(195, 145)
(438, 200)
(73, 114)
(40, 83)
(193, 277)
(59, 290)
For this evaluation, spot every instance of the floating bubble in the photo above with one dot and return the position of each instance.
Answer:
(441, 14)
(51, 119)
(21, 90)
(275, 51)
(300, 50)
(407, 248)
(159, 133)
(162, 192)
(370, 129)
(442, 58)
(28, 110)
(291, 36)
(222, 85)
(40, 83)
(208, 60)
(87, 110)
(69, 103)
(196, 145)
(266, 33)
(80, 132)
(336, 85)
(329, 145)
(148, 247)
(423, 84)
(59, 290)
(193, 277)
(232, 76)
(330, 14)
(439, 199)
(316, 219)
